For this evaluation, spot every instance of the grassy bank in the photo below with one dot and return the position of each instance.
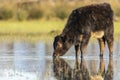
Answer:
(30, 30)
(37, 28)
(41, 27)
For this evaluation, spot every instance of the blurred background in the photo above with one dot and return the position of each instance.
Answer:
(40, 18)
(47, 9)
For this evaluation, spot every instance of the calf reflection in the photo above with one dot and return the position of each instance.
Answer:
(109, 72)
(80, 71)
(63, 71)
(104, 74)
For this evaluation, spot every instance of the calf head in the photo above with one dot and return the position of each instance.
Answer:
(61, 45)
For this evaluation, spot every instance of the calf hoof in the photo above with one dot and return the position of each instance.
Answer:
(101, 55)
(110, 55)
(81, 56)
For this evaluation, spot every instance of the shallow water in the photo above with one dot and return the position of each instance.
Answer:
(22, 60)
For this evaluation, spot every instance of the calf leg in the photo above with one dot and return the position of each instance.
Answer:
(77, 48)
(84, 44)
(110, 38)
(101, 45)
(110, 45)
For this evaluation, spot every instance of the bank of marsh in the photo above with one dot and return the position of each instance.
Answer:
(38, 28)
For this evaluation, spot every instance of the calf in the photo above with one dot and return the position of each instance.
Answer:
(83, 23)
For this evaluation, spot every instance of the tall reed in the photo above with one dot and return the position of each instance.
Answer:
(48, 9)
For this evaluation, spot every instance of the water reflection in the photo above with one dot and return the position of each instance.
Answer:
(109, 73)
(23, 60)
(63, 71)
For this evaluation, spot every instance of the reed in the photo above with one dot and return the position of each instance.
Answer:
(48, 9)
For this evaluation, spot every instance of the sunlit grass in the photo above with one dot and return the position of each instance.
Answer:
(38, 26)
(117, 27)
(40, 29)
(30, 26)
(30, 30)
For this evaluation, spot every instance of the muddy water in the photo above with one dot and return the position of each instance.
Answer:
(22, 60)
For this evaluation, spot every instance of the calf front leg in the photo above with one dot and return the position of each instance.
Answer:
(77, 48)
(84, 44)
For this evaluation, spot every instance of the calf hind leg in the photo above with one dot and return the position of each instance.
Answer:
(101, 45)
(110, 40)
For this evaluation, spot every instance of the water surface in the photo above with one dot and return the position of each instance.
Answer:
(23, 60)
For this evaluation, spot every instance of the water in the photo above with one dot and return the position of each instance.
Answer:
(22, 60)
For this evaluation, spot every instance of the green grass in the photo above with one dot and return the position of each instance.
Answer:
(36, 30)
(30, 30)
(30, 26)
(117, 27)
(38, 26)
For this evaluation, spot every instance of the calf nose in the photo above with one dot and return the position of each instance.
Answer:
(55, 54)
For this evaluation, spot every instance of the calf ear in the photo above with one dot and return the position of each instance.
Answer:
(64, 38)
(57, 38)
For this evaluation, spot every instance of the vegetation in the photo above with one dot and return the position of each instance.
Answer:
(43, 18)
(36, 30)
(39, 27)
(5, 14)
(47, 9)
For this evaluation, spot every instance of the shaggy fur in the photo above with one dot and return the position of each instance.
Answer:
(90, 21)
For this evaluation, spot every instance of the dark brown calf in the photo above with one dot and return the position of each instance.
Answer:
(83, 23)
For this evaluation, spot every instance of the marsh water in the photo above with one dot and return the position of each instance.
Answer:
(24, 60)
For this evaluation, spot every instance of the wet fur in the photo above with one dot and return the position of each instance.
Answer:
(90, 21)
